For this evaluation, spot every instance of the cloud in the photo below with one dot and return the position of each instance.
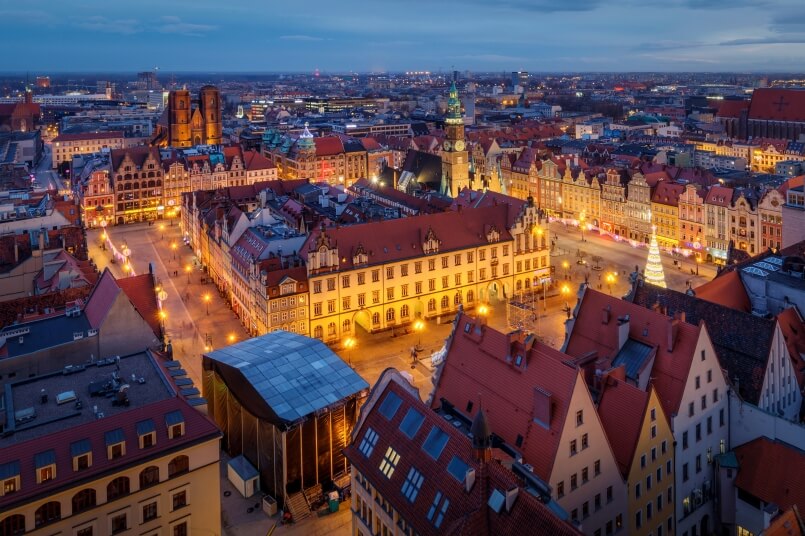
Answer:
(773, 40)
(300, 38)
(175, 25)
(788, 22)
(491, 58)
(97, 23)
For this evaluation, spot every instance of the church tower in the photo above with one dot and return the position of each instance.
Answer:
(179, 118)
(455, 164)
(209, 103)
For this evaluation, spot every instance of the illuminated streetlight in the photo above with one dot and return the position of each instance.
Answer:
(349, 344)
(581, 225)
(566, 266)
(610, 280)
(174, 246)
(187, 270)
(231, 338)
(419, 326)
(565, 290)
(207, 299)
(483, 310)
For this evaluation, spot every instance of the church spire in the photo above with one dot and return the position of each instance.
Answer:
(454, 106)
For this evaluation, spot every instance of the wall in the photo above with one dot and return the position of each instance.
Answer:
(747, 422)
(124, 331)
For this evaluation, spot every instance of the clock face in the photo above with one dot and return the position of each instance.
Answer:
(460, 145)
(446, 145)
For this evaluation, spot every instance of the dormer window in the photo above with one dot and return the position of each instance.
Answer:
(9, 477)
(175, 423)
(146, 433)
(45, 463)
(115, 444)
(81, 452)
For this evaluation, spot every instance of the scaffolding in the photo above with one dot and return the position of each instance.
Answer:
(522, 310)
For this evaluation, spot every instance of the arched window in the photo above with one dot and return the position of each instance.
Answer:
(404, 311)
(47, 513)
(117, 488)
(431, 305)
(178, 466)
(470, 296)
(135, 185)
(445, 302)
(149, 476)
(519, 285)
(527, 283)
(346, 325)
(375, 318)
(331, 329)
(318, 332)
(390, 315)
(127, 186)
(83, 500)
(152, 184)
(457, 298)
(13, 524)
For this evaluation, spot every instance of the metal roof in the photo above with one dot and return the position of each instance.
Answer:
(632, 355)
(294, 375)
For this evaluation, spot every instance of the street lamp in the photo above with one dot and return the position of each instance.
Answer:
(483, 310)
(207, 299)
(566, 266)
(538, 232)
(581, 225)
(162, 230)
(419, 326)
(187, 270)
(565, 290)
(173, 247)
(610, 281)
(231, 338)
(349, 344)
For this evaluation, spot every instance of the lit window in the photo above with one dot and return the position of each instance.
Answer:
(389, 463)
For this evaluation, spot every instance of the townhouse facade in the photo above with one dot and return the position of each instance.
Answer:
(65, 146)
(665, 213)
(638, 209)
(691, 220)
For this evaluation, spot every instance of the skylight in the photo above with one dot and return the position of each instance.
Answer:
(389, 463)
(368, 442)
(496, 501)
(412, 484)
(458, 468)
(440, 504)
(411, 422)
(390, 405)
(435, 442)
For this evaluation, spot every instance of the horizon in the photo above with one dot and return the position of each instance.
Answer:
(540, 36)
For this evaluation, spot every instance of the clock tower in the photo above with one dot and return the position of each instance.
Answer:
(455, 165)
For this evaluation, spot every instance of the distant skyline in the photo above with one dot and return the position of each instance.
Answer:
(45, 36)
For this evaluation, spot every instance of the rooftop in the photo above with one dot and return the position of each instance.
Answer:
(283, 377)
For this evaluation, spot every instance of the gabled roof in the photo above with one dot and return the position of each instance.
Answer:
(728, 291)
(667, 193)
(254, 161)
(732, 108)
(793, 329)
(719, 195)
(622, 409)
(328, 146)
(468, 512)
(468, 198)
(140, 291)
(789, 523)
(742, 341)
(591, 335)
(137, 154)
(481, 363)
(101, 300)
(772, 471)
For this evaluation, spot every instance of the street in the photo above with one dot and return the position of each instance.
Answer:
(47, 178)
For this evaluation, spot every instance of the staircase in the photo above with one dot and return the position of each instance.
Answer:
(298, 506)
(313, 495)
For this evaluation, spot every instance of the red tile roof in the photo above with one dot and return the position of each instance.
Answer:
(254, 161)
(667, 193)
(197, 427)
(719, 195)
(468, 198)
(789, 523)
(480, 363)
(793, 182)
(137, 154)
(728, 291)
(328, 146)
(732, 108)
(86, 136)
(793, 329)
(140, 291)
(778, 104)
(670, 371)
(402, 238)
(772, 471)
(468, 512)
(622, 409)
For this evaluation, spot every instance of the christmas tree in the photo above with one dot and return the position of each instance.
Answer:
(653, 273)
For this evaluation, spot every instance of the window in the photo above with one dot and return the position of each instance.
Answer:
(560, 489)
(418, 287)
(573, 449)
(638, 518)
(684, 440)
(637, 490)
(390, 293)
(47, 513)
(579, 417)
(585, 475)
(418, 267)
(180, 529)
(609, 494)
(361, 278)
(691, 409)
(317, 287)
(653, 454)
(375, 276)
(659, 474)
(664, 446)
(704, 402)
(431, 264)
(698, 382)
(389, 462)
(584, 441)
(412, 484)
(648, 482)
(431, 285)
(331, 284)
(702, 355)
(149, 476)
(317, 309)
(597, 468)
(684, 472)
(178, 466)
(117, 488)
(585, 510)
(435, 442)
(574, 514)
(390, 405)
(709, 376)
(83, 500)
(574, 482)
(149, 511)
(389, 272)
(699, 463)
(376, 299)
(175, 423)
(721, 417)
(440, 505)
(13, 525)
(659, 502)
(653, 414)
(709, 424)
(642, 461)
(458, 469)
(411, 422)
(119, 523)
(715, 395)
(179, 500)
(445, 281)
(597, 502)
(698, 432)
(653, 431)
(368, 442)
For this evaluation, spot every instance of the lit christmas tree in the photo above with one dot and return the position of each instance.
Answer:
(653, 273)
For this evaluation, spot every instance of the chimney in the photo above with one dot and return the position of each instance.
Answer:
(606, 314)
(673, 329)
(469, 479)
(511, 496)
(623, 331)
(16, 252)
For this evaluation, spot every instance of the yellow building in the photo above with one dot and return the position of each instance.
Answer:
(769, 154)
(65, 146)
(388, 274)
(641, 438)
(582, 197)
(148, 469)
(665, 213)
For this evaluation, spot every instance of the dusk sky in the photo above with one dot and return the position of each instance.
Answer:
(361, 35)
